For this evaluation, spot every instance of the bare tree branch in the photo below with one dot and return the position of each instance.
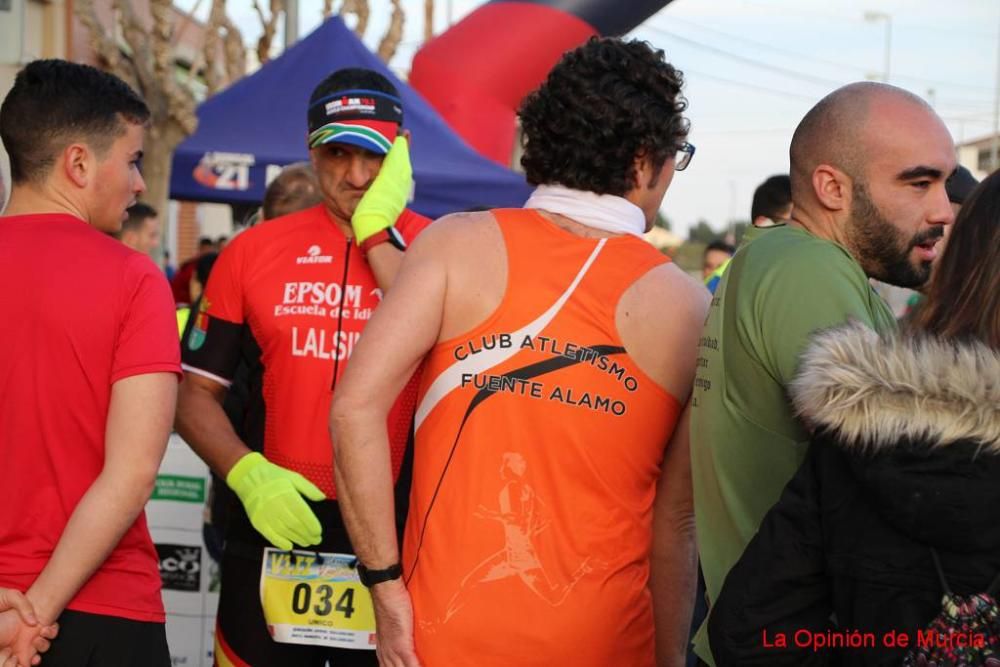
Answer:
(172, 105)
(260, 13)
(363, 13)
(269, 27)
(190, 20)
(428, 20)
(212, 47)
(161, 43)
(360, 9)
(138, 40)
(236, 53)
(107, 50)
(393, 35)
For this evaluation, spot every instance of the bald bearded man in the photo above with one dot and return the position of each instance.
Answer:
(868, 170)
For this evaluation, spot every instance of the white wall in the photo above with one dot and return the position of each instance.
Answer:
(215, 220)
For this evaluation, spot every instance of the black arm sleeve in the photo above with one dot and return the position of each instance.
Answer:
(211, 345)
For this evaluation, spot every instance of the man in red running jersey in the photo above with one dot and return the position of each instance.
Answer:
(291, 297)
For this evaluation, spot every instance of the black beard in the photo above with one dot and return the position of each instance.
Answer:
(880, 248)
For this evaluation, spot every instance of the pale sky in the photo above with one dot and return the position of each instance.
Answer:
(754, 67)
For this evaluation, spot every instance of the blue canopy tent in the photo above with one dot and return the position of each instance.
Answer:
(249, 131)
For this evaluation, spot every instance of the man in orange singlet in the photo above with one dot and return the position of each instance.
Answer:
(550, 516)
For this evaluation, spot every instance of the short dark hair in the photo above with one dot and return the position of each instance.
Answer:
(720, 245)
(602, 105)
(294, 189)
(772, 198)
(206, 242)
(138, 213)
(350, 78)
(54, 103)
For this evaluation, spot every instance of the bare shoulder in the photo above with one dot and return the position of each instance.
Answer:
(666, 297)
(659, 319)
(458, 230)
(469, 248)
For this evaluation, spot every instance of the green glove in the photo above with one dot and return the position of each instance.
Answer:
(386, 198)
(271, 497)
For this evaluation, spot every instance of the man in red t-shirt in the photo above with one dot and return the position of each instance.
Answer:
(88, 372)
(290, 297)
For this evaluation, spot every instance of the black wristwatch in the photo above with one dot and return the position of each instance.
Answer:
(371, 577)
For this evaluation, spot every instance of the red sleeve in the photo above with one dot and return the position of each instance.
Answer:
(181, 283)
(147, 340)
(212, 343)
(224, 293)
(410, 224)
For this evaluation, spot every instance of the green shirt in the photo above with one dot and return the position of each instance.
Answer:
(781, 286)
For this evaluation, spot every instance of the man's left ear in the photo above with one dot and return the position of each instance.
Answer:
(642, 167)
(76, 164)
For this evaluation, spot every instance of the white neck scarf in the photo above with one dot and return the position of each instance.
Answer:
(605, 212)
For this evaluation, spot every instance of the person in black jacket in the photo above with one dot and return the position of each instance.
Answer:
(904, 466)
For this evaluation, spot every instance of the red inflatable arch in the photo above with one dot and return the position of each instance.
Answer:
(476, 73)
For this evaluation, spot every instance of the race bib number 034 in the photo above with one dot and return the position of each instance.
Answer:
(316, 598)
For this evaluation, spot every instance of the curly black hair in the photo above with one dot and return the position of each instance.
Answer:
(602, 105)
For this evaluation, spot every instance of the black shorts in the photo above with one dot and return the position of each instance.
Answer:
(94, 640)
(241, 636)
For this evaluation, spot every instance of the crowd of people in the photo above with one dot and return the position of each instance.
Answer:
(512, 437)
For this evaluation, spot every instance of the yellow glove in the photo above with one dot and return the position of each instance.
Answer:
(386, 197)
(271, 497)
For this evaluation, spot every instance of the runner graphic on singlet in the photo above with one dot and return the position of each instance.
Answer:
(522, 515)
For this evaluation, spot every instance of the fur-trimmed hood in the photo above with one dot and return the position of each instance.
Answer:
(873, 392)
(917, 422)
